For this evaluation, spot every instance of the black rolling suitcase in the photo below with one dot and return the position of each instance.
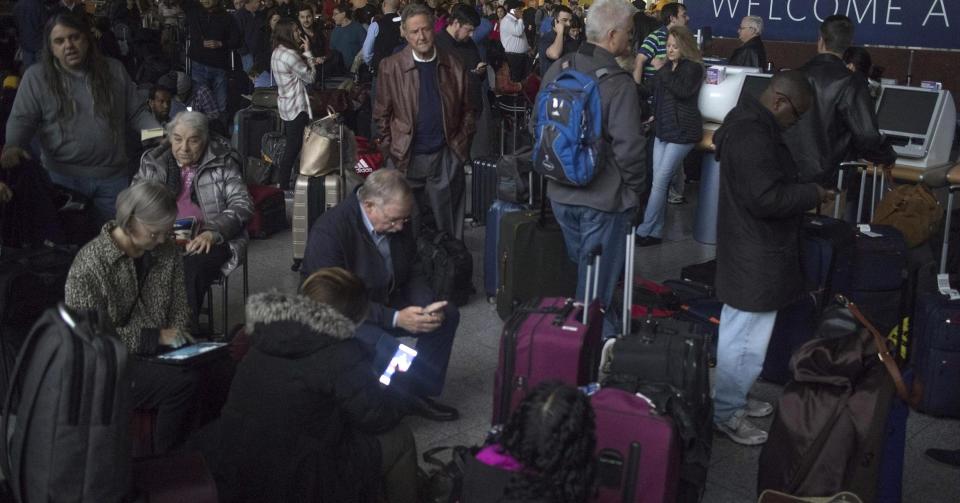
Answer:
(249, 127)
(532, 260)
(483, 187)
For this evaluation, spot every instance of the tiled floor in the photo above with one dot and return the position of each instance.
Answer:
(469, 386)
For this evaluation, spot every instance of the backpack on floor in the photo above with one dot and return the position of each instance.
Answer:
(67, 412)
(568, 129)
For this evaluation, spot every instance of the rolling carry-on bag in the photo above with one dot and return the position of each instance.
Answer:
(638, 449)
(491, 240)
(936, 354)
(249, 126)
(269, 211)
(548, 338)
(532, 260)
(666, 360)
(826, 254)
(483, 187)
(317, 188)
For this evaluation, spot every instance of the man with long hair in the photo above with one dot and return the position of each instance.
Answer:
(79, 104)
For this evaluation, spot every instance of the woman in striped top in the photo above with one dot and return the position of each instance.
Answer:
(293, 68)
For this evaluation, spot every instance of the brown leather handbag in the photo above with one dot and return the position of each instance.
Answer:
(830, 427)
(911, 209)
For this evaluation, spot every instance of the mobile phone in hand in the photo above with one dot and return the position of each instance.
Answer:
(401, 361)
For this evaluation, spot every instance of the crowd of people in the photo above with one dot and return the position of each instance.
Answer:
(305, 418)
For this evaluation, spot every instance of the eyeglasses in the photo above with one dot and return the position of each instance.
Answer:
(746, 28)
(397, 221)
(796, 114)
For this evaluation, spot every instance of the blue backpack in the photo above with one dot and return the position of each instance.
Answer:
(568, 128)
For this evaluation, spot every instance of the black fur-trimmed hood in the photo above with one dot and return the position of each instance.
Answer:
(286, 324)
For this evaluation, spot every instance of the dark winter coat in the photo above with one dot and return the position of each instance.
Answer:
(339, 239)
(841, 122)
(752, 54)
(303, 406)
(216, 25)
(759, 214)
(676, 93)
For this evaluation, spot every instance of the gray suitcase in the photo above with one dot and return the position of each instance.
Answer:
(311, 197)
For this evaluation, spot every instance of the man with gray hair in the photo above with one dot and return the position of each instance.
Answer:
(751, 53)
(599, 213)
(369, 235)
(425, 119)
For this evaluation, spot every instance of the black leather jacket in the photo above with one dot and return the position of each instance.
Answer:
(841, 124)
(752, 54)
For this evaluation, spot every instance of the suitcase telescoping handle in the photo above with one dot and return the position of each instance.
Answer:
(628, 278)
(591, 289)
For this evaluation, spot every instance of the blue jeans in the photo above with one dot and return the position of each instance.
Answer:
(214, 78)
(741, 348)
(666, 159)
(583, 230)
(429, 370)
(102, 191)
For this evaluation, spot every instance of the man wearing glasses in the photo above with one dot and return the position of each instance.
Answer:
(369, 235)
(758, 248)
(751, 53)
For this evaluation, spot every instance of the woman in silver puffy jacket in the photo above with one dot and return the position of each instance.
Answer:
(206, 175)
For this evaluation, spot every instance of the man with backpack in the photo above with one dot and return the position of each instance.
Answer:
(595, 210)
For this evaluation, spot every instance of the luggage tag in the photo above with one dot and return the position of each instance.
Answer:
(943, 284)
(865, 230)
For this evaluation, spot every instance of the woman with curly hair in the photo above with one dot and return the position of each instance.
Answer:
(545, 452)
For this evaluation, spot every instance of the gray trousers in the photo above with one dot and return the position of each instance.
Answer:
(439, 186)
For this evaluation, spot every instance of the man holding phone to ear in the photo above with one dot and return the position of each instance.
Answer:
(368, 234)
(557, 43)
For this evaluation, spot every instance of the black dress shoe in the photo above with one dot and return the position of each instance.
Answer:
(648, 241)
(433, 410)
(945, 456)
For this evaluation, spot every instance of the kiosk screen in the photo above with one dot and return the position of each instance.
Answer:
(754, 85)
(906, 111)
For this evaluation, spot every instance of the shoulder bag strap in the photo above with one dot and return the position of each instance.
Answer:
(883, 352)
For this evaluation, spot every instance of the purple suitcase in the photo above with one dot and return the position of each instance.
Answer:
(548, 338)
(637, 450)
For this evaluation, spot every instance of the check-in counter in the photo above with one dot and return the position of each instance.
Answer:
(708, 199)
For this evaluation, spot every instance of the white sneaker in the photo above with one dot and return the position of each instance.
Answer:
(758, 408)
(742, 431)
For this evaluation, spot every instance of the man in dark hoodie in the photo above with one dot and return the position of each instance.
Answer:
(758, 246)
(213, 33)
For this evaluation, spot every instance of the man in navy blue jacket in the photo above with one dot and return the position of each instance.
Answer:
(367, 235)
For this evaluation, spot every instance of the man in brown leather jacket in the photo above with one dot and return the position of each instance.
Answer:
(425, 119)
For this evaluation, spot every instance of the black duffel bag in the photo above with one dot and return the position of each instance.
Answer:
(449, 265)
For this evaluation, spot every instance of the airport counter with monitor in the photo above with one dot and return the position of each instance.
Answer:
(920, 124)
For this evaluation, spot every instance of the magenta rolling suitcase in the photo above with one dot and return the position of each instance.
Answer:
(546, 339)
(638, 450)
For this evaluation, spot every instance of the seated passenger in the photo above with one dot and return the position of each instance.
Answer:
(133, 274)
(367, 235)
(306, 420)
(544, 453)
(205, 174)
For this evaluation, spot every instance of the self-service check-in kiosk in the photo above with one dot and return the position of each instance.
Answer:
(920, 123)
(716, 101)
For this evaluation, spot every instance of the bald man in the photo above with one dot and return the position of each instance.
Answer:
(758, 243)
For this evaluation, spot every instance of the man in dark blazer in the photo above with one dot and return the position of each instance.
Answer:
(367, 235)
(758, 243)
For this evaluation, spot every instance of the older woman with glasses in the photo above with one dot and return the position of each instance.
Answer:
(133, 274)
(204, 173)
